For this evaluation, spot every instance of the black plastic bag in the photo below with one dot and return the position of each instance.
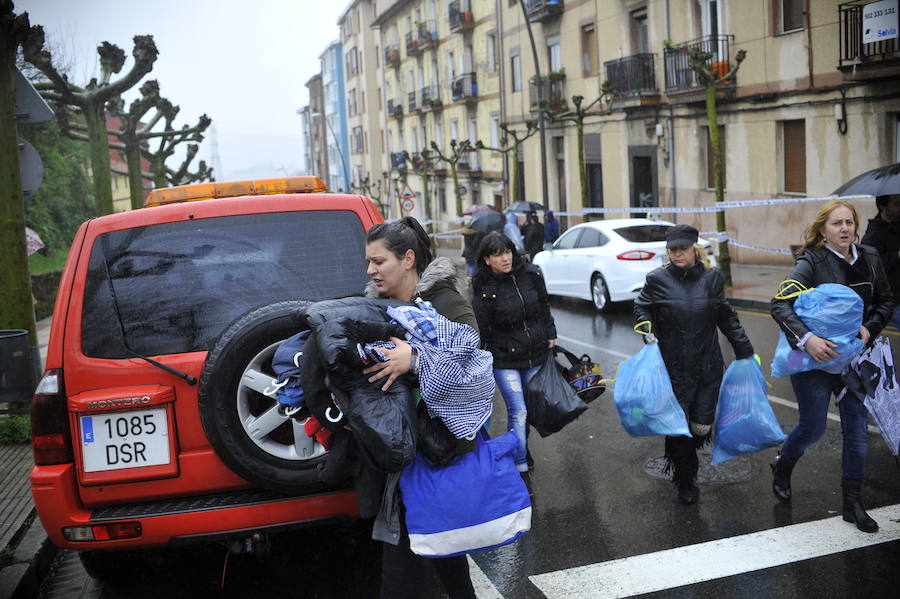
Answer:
(550, 400)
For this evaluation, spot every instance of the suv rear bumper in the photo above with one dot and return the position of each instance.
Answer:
(187, 519)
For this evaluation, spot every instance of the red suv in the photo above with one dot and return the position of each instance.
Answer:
(156, 421)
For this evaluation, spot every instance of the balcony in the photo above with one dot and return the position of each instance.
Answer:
(431, 97)
(464, 87)
(548, 93)
(398, 161)
(412, 44)
(459, 13)
(861, 56)
(411, 102)
(679, 75)
(543, 10)
(427, 35)
(395, 108)
(632, 76)
(392, 56)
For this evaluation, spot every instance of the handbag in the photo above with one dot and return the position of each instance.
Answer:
(745, 422)
(549, 400)
(478, 501)
(583, 374)
(873, 378)
(644, 396)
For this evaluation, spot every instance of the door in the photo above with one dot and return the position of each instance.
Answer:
(644, 185)
(555, 264)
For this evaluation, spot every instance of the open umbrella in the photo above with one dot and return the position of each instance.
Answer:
(881, 181)
(33, 241)
(487, 221)
(477, 208)
(524, 207)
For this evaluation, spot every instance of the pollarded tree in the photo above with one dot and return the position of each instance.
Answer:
(457, 151)
(169, 141)
(92, 98)
(531, 128)
(422, 164)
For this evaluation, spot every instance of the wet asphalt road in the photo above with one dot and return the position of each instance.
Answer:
(598, 496)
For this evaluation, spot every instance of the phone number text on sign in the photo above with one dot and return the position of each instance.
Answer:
(880, 21)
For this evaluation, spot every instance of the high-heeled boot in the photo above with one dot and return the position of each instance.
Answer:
(853, 508)
(781, 478)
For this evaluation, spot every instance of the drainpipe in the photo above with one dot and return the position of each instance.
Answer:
(501, 67)
(809, 46)
(670, 127)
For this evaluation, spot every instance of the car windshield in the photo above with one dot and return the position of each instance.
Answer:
(179, 285)
(643, 233)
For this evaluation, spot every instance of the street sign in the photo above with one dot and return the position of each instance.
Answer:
(879, 21)
(407, 192)
(30, 106)
(407, 205)
(31, 169)
(463, 190)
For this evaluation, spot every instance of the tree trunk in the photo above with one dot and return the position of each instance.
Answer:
(15, 282)
(98, 144)
(135, 180)
(426, 198)
(582, 172)
(712, 118)
(516, 192)
(459, 202)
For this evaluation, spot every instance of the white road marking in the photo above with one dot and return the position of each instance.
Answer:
(484, 589)
(692, 564)
(596, 347)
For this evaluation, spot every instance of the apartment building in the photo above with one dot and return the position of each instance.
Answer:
(314, 129)
(335, 116)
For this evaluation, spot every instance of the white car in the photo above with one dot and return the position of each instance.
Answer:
(606, 260)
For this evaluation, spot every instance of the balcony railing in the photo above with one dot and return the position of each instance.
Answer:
(392, 56)
(463, 87)
(680, 76)
(394, 108)
(427, 34)
(412, 43)
(632, 76)
(459, 13)
(854, 50)
(398, 161)
(543, 10)
(548, 93)
(431, 97)
(411, 102)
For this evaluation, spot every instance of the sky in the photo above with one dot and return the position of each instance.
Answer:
(242, 63)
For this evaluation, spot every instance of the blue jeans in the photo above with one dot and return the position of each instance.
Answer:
(512, 387)
(813, 390)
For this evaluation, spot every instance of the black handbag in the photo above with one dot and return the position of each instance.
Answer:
(550, 400)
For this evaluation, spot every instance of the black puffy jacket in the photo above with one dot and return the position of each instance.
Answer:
(684, 307)
(513, 314)
(820, 265)
(884, 236)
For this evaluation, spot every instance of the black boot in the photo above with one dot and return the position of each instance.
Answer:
(853, 508)
(682, 459)
(781, 478)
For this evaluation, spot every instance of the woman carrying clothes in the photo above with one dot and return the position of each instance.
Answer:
(831, 256)
(513, 312)
(401, 267)
(682, 304)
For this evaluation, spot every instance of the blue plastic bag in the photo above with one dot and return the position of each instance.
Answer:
(644, 396)
(831, 311)
(478, 501)
(745, 421)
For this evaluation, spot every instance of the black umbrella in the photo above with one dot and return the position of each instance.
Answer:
(487, 221)
(881, 181)
(525, 207)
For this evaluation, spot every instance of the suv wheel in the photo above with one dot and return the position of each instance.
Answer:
(241, 416)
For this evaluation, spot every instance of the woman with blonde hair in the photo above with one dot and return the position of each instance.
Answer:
(681, 305)
(830, 255)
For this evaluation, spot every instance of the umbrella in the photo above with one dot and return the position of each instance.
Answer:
(33, 241)
(881, 181)
(478, 208)
(487, 221)
(525, 207)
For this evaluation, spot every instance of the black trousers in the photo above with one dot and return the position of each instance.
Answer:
(401, 571)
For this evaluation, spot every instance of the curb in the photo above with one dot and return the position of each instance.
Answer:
(748, 304)
(31, 562)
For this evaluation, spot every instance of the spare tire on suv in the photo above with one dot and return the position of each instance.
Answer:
(249, 430)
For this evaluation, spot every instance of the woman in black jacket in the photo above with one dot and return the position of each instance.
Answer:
(681, 305)
(830, 256)
(513, 312)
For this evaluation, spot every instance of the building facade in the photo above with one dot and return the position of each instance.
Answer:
(315, 135)
(335, 116)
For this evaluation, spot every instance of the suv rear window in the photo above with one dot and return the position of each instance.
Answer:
(643, 233)
(179, 285)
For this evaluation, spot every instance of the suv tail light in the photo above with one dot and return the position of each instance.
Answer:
(50, 438)
(635, 255)
(103, 532)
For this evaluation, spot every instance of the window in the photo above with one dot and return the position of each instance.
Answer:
(588, 50)
(793, 144)
(351, 103)
(639, 42)
(791, 17)
(643, 233)
(451, 67)
(454, 130)
(442, 199)
(495, 131)
(569, 238)
(492, 53)
(592, 238)
(473, 137)
(439, 134)
(553, 54)
(357, 140)
(362, 102)
(352, 63)
(516, 72)
(710, 170)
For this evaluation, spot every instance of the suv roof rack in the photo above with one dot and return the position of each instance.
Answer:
(209, 191)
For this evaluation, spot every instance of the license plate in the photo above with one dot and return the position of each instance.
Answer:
(118, 440)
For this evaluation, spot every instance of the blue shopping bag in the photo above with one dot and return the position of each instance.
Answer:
(478, 501)
(745, 422)
(831, 311)
(644, 396)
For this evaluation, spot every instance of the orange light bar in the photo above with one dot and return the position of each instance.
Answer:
(208, 191)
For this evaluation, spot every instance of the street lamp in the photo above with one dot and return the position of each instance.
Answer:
(315, 115)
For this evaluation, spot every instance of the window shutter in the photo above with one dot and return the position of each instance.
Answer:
(794, 136)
